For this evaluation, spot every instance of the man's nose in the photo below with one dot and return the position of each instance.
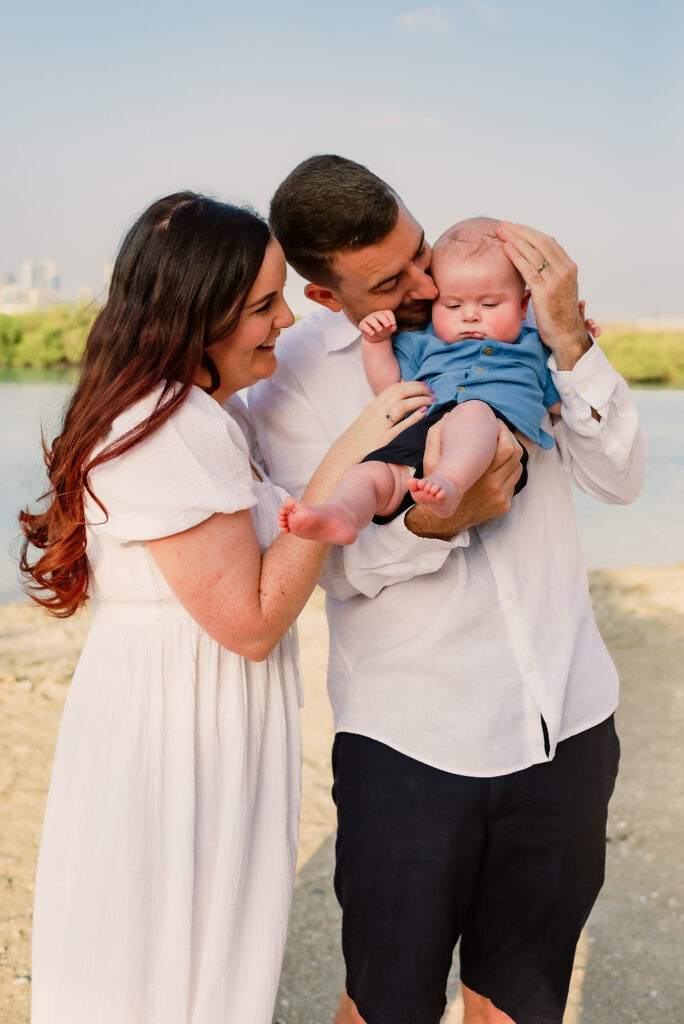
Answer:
(422, 286)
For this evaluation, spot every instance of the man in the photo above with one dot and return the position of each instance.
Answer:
(473, 697)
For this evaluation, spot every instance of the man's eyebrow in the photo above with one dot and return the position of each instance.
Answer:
(258, 302)
(392, 277)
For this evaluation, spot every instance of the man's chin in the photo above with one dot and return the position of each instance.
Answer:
(413, 319)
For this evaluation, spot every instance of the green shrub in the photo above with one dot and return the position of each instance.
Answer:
(42, 346)
(646, 357)
(53, 337)
(10, 337)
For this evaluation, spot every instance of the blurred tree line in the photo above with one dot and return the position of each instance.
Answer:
(57, 336)
(646, 357)
(51, 337)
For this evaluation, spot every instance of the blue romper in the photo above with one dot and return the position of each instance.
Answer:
(511, 377)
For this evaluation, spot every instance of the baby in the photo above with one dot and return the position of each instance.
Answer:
(481, 364)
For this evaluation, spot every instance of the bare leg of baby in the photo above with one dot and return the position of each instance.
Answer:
(366, 490)
(469, 433)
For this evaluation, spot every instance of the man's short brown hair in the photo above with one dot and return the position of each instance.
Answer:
(326, 205)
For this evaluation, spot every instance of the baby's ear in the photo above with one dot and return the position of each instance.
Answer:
(524, 302)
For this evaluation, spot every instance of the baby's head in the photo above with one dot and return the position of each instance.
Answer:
(481, 294)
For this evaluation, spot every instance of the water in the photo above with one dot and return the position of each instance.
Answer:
(648, 532)
(29, 399)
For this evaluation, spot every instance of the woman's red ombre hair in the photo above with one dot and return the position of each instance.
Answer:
(179, 283)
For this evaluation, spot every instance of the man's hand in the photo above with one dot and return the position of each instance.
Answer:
(552, 279)
(486, 499)
(378, 326)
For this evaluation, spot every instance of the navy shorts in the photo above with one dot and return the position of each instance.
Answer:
(510, 865)
(408, 448)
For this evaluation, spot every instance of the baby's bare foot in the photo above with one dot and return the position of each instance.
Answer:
(329, 523)
(438, 492)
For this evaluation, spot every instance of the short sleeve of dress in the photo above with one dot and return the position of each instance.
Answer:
(195, 465)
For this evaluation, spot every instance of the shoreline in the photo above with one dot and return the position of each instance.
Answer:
(632, 936)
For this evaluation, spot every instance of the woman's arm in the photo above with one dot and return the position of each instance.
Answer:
(246, 601)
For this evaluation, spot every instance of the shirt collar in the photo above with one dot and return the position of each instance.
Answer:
(338, 332)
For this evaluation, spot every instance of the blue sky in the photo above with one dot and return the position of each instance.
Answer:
(567, 116)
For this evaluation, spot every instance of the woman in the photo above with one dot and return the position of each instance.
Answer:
(168, 853)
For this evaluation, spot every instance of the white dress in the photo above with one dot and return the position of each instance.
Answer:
(168, 853)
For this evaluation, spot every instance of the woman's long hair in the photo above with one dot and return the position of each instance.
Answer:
(179, 283)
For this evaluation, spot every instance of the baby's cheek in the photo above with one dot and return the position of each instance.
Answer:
(506, 324)
(445, 324)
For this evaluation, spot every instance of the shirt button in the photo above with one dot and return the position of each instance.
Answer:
(461, 388)
(508, 595)
(480, 368)
(488, 351)
(566, 391)
(529, 666)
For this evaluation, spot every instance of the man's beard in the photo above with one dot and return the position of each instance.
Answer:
(413, 318)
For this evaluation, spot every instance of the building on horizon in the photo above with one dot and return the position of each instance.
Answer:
(37, 288)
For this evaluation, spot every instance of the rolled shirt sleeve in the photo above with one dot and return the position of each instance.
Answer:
(606, 458)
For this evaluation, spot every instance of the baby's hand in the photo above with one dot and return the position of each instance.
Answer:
(590, 325)
(379, 326)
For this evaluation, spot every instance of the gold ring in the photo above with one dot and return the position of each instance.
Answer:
(542, 266)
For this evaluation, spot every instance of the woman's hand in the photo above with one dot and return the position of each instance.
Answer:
(379, 423)
(384, 419)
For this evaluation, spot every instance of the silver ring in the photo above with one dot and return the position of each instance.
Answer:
(388, 417)
(542, 266)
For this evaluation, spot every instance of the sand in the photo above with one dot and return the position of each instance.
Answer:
(629, 960)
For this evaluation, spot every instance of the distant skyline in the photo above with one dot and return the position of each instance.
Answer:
(563, 115)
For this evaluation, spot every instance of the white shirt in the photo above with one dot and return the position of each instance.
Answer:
(451, 652)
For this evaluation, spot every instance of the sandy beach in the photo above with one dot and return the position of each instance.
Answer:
(628, 967)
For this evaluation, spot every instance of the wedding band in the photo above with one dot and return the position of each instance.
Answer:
(542, 266)
(388, 417)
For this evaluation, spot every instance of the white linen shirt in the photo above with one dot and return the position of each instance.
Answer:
(451, 651)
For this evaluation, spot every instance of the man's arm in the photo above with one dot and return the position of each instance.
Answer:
(602, 449)
(603, 454)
